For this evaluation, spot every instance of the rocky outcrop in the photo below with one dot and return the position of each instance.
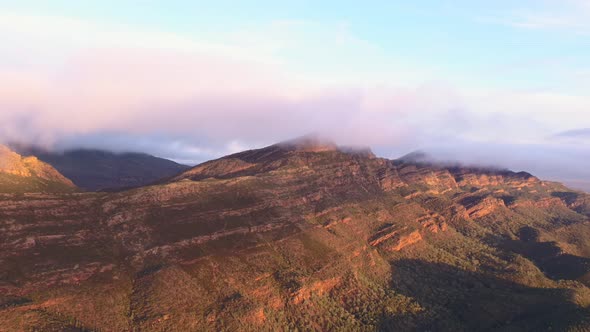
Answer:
(15, 164)
(436, 180)
(406, 240)
(384, 235)
(318, 288)
(396, 239)
(481, 206)
(433, 222)
(28, 174)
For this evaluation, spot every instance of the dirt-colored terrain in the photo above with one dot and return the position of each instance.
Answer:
(301, 236)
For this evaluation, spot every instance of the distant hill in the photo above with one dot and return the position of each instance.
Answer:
(20, 174)
(96, 170)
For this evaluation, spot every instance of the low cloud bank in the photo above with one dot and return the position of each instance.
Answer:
(191, 101)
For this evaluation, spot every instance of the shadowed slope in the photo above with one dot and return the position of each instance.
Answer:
(462, 300)
(101, 170)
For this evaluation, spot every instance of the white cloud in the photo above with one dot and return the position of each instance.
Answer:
(188, 98)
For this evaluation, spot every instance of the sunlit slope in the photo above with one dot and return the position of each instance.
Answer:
(20, 174)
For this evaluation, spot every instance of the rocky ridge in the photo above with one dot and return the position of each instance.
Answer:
(15, 169)
(96, 170)
(298, 231)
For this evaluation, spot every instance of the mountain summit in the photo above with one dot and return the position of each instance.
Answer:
(293, 153)
(309, 143)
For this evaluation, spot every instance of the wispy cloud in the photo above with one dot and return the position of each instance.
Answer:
(67, 83)
(581, 134)
(572, 16)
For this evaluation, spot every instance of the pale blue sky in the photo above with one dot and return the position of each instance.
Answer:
(540, 45)
(198, 79)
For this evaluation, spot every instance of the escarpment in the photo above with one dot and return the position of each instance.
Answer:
(303, 234)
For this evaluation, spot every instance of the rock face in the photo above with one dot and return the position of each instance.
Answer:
(300, 235)
(407, 240)
(15, 164)
(18, 173)
(477, 206)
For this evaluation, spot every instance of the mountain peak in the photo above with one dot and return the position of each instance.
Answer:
(295, 152)
(309, 143)
(417, 156)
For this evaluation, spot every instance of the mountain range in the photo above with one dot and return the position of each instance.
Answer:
(300, 235)
(96, 170)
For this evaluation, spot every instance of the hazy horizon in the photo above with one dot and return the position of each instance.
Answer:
(498, 83)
